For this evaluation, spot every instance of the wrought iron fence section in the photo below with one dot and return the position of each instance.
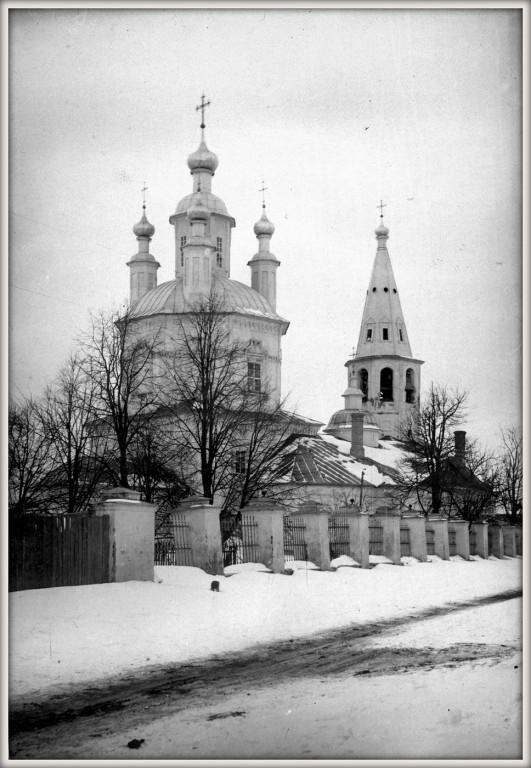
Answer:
(489, 541)
(472, 539)
(430, 541)
(339, 536)
(405, 543)
(295, 547)
(452, 543)
(375, 537)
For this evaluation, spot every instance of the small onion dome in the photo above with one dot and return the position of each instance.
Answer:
(197, 209)
(203, 158)
(381, 230)
(144, 228)
(264, 226)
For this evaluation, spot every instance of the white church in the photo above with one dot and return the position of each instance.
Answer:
(359, 449)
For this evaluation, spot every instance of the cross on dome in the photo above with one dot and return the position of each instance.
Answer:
(381, 207)
(143, 190)
(202, 107)
(263, 191)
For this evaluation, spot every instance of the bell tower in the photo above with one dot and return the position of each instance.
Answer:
(383, 367)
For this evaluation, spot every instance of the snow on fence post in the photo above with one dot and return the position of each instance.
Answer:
(518, 539)
(462, 539)
(496, 540)
(417, 534)
(439, 526)
(205, 533)
(131, 535)
(358, 525)
(270, 532)
(315, 517)
(509, 540)
(482, 538)
(390, 519)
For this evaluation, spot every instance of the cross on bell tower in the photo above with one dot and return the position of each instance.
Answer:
(202, 107)
(263, 191)
(381, 207)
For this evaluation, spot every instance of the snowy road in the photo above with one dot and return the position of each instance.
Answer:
(441, 683)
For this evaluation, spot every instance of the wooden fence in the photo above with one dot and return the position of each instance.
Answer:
(58, 551)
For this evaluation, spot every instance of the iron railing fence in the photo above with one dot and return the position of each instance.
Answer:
(405, 543)
(174, 548)
(452, 543)
(430, 541)
(339, 536)
(375, 537)
(295, 547)
(472, 540)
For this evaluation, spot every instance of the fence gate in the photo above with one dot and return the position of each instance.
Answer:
(239, 536)
(174, 548)
(375, 537)
(430, 541)
(58, 551)
(405, 544)
(472, 538)
(451, 543)
(295, 539)
(339, 536)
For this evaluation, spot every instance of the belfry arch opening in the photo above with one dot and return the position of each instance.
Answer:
(410, 386)
(363, 383)
(386, 385)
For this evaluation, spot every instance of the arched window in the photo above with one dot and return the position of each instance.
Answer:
(386, 385)
(410, 386)
(363, 383)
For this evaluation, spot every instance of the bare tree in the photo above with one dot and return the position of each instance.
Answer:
(511, 475)
(232, 424)
(471, 484)
(29, 459)
(429, 441)
(120, 362)
(67, 418)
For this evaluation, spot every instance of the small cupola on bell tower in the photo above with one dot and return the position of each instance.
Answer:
(143, 266)
(264, 264)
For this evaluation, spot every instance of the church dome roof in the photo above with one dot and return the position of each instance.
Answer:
(168, 299)
(144, 228)
(212, 202)
(203, 158)
(263, 226)
(342, 419)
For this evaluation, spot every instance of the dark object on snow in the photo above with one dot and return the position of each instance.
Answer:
(135, 743)
(214, 586)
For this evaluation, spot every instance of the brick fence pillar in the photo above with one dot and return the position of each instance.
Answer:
(462, 539)
(315, 518)
(358, 526)
(482, 538)
(269, 518)
(509, 540)
(390, 520)
(202, 519)
(440, 528)
(131, 535)
(417, 536)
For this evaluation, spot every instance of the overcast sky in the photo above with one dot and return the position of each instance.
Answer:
(334, 110)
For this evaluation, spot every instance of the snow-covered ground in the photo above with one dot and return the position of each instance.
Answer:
(70, 636)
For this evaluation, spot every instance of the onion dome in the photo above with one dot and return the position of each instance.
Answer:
(144, 228)
(203, 158)
(264, 226)
(197, 210)
(381, 231)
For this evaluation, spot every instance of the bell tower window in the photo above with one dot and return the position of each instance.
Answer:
(364, 383)
(219, 251)
(385, 334)
(386, 385)
(369, 334)
(410, 386)
(183, 243)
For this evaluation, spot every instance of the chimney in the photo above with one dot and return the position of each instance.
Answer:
(460, 440)
(356, 435)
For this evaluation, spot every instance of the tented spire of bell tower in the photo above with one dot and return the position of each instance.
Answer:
(383, 330)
